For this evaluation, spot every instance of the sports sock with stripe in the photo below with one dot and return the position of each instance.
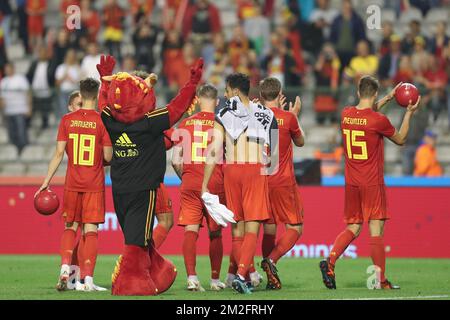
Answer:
(378, 255)
(247, 253)
(89, 254)
(215, 256)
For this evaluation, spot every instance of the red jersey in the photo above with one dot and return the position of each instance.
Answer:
(288, 129)
(194, 134)
(85, 134)
(362, 133)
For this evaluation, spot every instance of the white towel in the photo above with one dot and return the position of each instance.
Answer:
(256, 119)
(218, 212)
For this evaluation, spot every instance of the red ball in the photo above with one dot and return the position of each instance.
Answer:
(405, 93)
(46, 202)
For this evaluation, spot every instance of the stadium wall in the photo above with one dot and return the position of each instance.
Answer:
(419, 226)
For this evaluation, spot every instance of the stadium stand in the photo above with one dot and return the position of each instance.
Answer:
(34, 158)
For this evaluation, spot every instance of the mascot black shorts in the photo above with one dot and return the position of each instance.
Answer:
(135, 212)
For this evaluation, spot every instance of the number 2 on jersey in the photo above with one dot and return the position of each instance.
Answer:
(199, 145)
(350, 141)
(80, 148)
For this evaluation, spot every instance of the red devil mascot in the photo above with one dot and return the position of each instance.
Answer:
(136, 129)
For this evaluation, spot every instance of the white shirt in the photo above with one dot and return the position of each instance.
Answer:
(40, 81)
(327, 15)
(89, 67)
(14, 92)
(74, 73)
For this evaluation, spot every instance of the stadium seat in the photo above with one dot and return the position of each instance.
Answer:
(13, 169)
(412, 14)
(443, 155)
(32, 153)
(9, 153)
(46, 136)
(3, 135)
(37, 169)
(228, 18)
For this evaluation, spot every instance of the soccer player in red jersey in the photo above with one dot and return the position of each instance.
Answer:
(189, 156)
(285, 201)
(84, 138)
(363, 132)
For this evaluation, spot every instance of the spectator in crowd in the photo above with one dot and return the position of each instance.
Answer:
(75, 102)
(447, 68)
(364, 63)
(320, 21)
(3, 57)
(67, 76)
(435, 81)
(179, 72)
(141, 9)
(172, 50)
(257, 30)
(16, 104)
(129, 64)
(113, 19)
(90, 61)
(390, 62)
(202, 19)
(409, 41)
(90, 21)
(60, 48)
(217, 70)
(22, 16)
(237, 46)
(388, 32)
(6, 14)
(35, 11)
(420, 56)
(347, 30)
(439, 42)
(42, 81)
(426, 163)
(144, 39)
(214, 51)
(280, 64)
(405, 71)
(246, 9)
(326, 71)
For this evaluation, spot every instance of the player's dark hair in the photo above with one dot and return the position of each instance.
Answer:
(89, 88)
(207, 91)
(270, 88)
(140, 73)
(75, 94)
(239, 81)
(368, 87)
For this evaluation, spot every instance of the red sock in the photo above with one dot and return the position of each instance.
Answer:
(235, 254)
(215, 256)
(159, 235)
(378, 255)
(286, 242)
(67, 245)
(190, 252)
(74, 261)
(268, 243)
(89, 254)
(340, 244)
(247, 253)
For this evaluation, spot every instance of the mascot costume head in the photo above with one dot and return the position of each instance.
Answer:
(139, 270)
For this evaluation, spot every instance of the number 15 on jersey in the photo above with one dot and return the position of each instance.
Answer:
(352, 140)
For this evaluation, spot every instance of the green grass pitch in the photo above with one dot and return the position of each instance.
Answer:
(34, 277)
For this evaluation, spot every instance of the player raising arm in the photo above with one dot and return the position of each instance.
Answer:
(83, 137)
(363, 130)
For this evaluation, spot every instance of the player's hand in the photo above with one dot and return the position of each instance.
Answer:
(413, 108)
(391, 94)
(106, 65)
(42, 188)
(296, 107)
(197, 71)
(282, 102)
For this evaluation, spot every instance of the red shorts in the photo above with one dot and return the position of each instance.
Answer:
(247, 192)
(192, 210)
(84, 207)
(163, 201)
(286, 205)
(365, 203)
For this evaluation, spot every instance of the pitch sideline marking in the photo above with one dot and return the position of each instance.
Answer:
(401, 298)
